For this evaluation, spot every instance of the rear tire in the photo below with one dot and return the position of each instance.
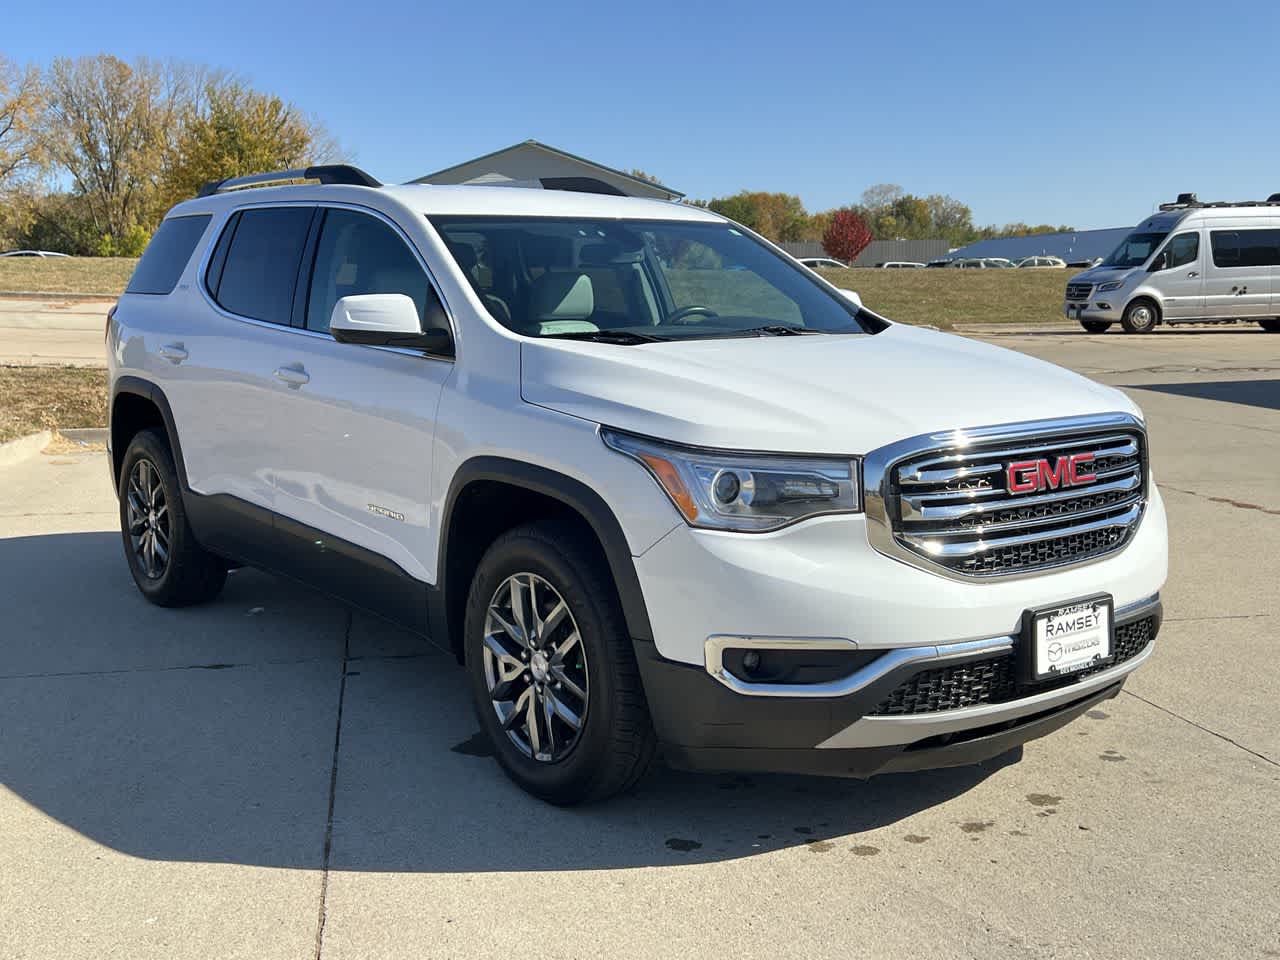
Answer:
(1270, 324)
(524, 667)
(1096, 326)
(1141, 316)
(170, 568)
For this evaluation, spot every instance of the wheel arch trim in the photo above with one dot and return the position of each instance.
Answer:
(139, 387)
(575, 495)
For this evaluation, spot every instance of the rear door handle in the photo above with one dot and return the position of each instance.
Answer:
(1194, 273)
(174, 352)
(293, 374)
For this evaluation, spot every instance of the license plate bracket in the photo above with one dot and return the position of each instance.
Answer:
(1066, 638)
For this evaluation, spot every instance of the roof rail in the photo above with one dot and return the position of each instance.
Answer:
(324, 173)
(1187, 201)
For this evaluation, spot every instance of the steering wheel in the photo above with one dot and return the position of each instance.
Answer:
(682, 315)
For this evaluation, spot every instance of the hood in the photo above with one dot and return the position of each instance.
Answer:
(1103, 274)
(812, 394)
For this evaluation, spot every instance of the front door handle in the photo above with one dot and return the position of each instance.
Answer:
(174, 352)
(293, 374)
(1194, 273)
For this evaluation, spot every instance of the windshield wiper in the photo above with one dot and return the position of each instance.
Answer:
(608, 336)
(777, 330)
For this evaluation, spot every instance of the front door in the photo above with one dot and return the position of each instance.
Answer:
(356, 424)
(1181, 277)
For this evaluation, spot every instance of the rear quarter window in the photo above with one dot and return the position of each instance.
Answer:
(167, 255)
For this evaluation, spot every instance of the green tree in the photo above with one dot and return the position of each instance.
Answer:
(232, 130)
(109, 126)
(775, 216)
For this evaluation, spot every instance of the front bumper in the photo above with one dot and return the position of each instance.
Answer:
(1100, 306)
(703, 724)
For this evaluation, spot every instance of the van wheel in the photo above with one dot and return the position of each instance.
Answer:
(552, 672)
(1271, 324)
(1141, 316)
(1096, 326)
(167, 564)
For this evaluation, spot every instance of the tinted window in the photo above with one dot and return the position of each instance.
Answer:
(1245, 248)
(167, 254)
(261, 267)
(1184, 249)
(360, 254)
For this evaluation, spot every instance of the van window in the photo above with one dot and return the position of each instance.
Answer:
(167, 254)
(360, 254)
(1184, 249)
(260, 272)
(1245, 248)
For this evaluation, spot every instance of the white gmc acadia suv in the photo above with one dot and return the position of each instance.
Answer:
(656, 485)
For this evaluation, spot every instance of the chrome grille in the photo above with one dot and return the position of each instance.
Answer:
(953, 507)
(1079, 291)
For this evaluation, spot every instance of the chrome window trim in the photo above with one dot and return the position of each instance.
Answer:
(877, 473)
(203, 271)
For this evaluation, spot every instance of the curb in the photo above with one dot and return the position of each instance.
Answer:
(15, 451)
(48, 295)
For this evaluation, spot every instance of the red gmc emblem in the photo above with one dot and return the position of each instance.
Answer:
(1032, 476)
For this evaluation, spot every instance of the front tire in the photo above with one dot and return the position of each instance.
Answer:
(553, 675)
(1141, 316)
(1270, 324)
(170, 568)
(1096, 326)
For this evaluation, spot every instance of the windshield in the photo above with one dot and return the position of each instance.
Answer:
(1134, 250)
(635, 281)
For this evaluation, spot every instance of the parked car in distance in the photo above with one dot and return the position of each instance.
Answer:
(33, 253)
(823, 263)
(727, 512)
(900, 265)
(981, 263)
(1192, 262)
(1041, 263)
(940, 262)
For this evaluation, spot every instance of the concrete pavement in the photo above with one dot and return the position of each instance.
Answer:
(274, 776)
(45, 331)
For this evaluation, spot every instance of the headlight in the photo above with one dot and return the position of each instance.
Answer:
(1112, 285)
(747, 491)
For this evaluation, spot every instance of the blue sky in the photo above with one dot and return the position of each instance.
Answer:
(1078, 113)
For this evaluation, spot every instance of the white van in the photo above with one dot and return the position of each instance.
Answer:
(1191, 262)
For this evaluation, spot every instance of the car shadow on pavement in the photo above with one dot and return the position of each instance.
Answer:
(1253, 393)
(219, 734)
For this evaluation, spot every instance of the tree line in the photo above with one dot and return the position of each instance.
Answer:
(885, 209)
(94, 150)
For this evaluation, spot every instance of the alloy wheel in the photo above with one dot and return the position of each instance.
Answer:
(149, 530)
(535, 667)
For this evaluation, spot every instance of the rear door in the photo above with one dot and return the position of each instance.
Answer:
(1238, 278)
(353, 435)
(217, 373)
(1181, 282)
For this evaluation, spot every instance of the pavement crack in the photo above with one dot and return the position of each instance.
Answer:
(172, 669)
(1238, 504)
(1201, 726)
(333, 791)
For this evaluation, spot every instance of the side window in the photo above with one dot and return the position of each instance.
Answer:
(260, 269)
(1184, 249)
(167, 254)
(360, 254)
(1246, 248)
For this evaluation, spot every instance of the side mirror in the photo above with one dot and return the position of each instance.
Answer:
(851, 295)
(385, 320)
(1161, 262)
